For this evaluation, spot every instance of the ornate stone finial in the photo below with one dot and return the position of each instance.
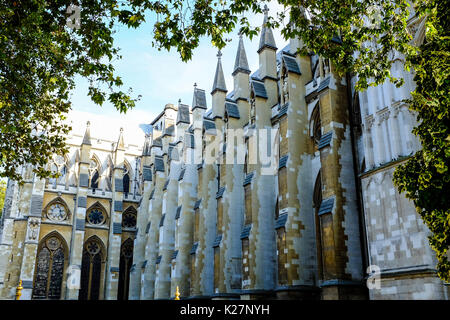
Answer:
(179, 101)
(88, 124)
(219, 54)
(266, 10)
(177, 294)
(19, 290)
(121, 129)
(195, 85)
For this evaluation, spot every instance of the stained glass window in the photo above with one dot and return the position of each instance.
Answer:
(126, 260)
(49, 270)
(96, 216)
(129, 218)
(56, 212)
(91, 269)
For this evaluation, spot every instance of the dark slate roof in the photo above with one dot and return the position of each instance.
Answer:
(169, 131)
(291, 64)
(152, 194)
(283, 110)
(232, 110)
(323, 84)
(147, 174)
(285, 50)
(325, 140)
(159, 164)
(248, 178)
(241, 63)
(147, 229)
(217, 241)
(173, 153)
(189, 139)
(157, 142)
(166, 184)
(199, 100)
(161, 223)
(158, 259)
(281, 221)
(230, 96)
(259, 89)
(174, 254)
(197, 204)
(209, 125)
(194, 248)
(182, 174)
(283, 161)
(183, 114)
(245, 232)
(220, 192)
(326, 206)
(177, 215)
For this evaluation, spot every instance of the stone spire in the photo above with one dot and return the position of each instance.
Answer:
(219, 79)
(241, 64)
(87, 134)
(267, 39)
(120, 142)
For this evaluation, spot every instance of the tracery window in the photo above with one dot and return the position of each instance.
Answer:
(96, 215)
(316, 124)
(49, 269)
(91, 269)
(126, 261)
(129, 218)
(57, 212)
(94, 169)
(126, 184)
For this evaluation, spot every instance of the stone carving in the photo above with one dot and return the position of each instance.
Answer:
(33, 229)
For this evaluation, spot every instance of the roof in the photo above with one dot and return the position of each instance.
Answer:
(281, 221)
(283, 110)
(291, 64)
(197, 204)
(217, 241)
(326, 206)
(220, 192)
(183, 114)
(283, 161)
(232, 110)
(246, 231)
(259, 89)
(248, 178)
(199, 99)
(325, 140)
(159, 164)
(194, 248)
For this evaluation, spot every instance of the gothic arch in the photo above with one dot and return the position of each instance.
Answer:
(129, 217)
(55, 215)
(126, 261)
(315, 125)
(51, 263)
(92, 269)
(97, 214)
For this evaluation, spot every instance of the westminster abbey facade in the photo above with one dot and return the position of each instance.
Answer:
(198, 209)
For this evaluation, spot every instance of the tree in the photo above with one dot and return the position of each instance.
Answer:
(41, 52)
(2, 195)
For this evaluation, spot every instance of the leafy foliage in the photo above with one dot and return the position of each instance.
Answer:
(39, 59)
(425, 177)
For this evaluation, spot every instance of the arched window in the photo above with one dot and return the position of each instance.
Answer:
(94, 180)
(126, 184)
(50, 265)
(94, 169)
(315, 124)
(96, 215)
(91, 269)
(129, 218)
(126, 261)
(317, 201)
(56, 210)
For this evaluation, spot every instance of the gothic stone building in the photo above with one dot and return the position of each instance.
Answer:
(142, 222)
(84, 219)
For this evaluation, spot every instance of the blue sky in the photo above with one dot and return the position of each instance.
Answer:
(160, 76)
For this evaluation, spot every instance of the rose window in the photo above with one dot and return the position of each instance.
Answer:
(96, 216)
(57, 212)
